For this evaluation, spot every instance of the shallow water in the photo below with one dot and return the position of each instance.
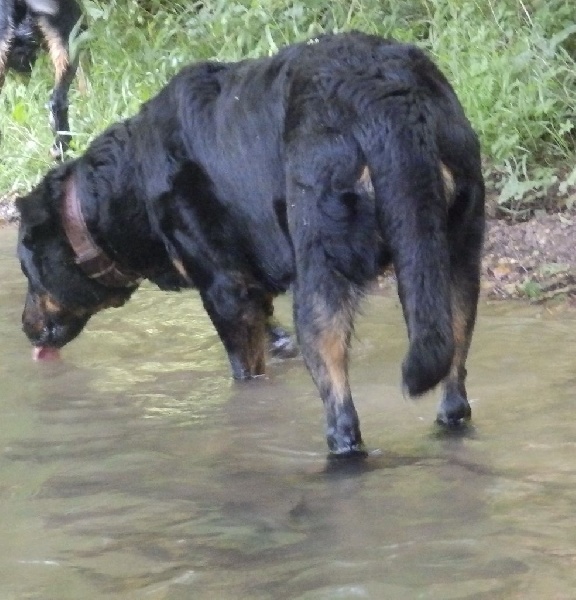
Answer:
(136, 468)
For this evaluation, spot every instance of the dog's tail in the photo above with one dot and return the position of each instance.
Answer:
(398, 140)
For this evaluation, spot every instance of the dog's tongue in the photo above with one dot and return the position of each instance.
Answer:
(45, 353)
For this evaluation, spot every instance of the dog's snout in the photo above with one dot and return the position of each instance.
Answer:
(37, 330)
(47, 335)
(49, 324)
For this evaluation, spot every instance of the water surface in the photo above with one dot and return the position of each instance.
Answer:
(136, 468)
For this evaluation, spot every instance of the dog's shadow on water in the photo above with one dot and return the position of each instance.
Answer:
(363, 463)
(456, 434)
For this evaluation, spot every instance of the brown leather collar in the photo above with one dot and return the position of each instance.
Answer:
(89, 256)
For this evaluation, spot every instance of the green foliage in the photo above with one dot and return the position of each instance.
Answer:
(512, 63)
(532, 290)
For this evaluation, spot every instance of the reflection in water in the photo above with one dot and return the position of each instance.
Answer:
(137, 469)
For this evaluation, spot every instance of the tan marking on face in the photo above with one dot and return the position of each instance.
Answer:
(57, 51)
(49, 305)
(364, 183)
(449, 185)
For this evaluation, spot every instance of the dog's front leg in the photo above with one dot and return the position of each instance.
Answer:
(237, 310)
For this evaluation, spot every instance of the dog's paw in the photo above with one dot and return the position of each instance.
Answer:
(281, 344)
(453, 412)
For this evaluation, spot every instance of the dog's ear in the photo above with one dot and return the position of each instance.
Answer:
(33, 209)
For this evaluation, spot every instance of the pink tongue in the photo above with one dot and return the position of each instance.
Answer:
(45, 353)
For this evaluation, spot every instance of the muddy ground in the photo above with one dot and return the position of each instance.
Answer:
(533, 260)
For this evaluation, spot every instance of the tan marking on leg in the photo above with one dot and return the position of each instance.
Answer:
(333, 345)
(47, 304)
(56, 49)
(50, 306)
(461, 333)
(449, 185)
(259, 360)
(459, 328)
(332, 348)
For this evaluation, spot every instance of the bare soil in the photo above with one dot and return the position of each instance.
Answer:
(534, 259)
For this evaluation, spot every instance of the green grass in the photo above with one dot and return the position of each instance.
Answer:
(512, 63)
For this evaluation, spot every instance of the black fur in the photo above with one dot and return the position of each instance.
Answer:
(26, 26)
(245, 179)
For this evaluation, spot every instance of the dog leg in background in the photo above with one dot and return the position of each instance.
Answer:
(6, 35)
(56, 30)
(280, 343)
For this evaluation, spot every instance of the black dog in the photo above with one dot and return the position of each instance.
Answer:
(314, 168)
(26, 26)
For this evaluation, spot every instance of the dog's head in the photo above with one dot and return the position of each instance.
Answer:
(61, 298)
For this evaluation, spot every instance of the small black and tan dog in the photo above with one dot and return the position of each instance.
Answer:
(29, 25)
(314, 169)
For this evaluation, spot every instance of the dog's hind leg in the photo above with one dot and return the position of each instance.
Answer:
(465, 235)
(324, 315)
(332, 231)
